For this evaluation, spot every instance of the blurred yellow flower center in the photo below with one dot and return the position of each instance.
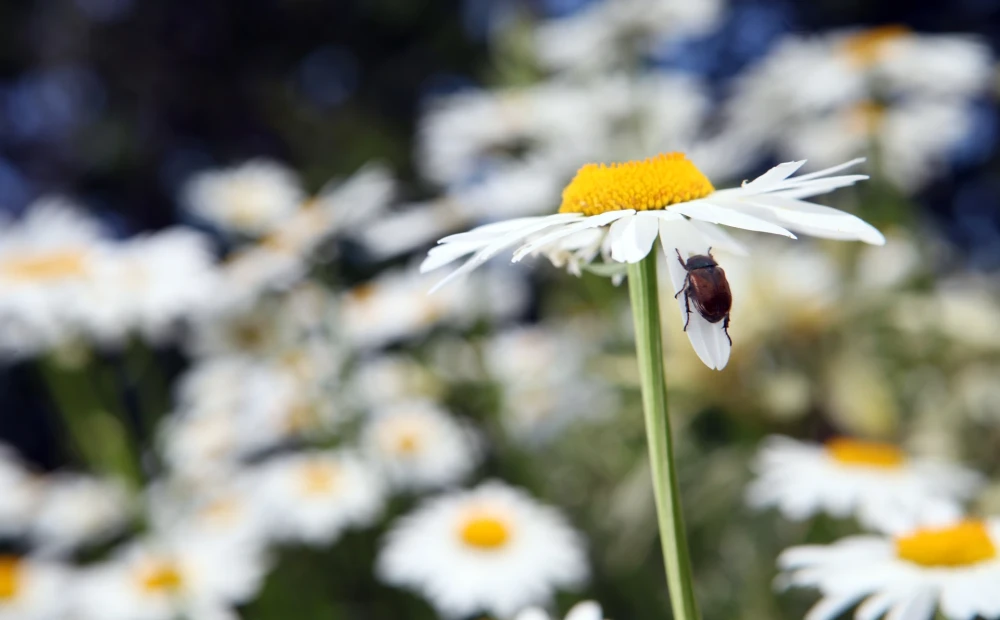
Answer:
(54, 266)
(10, 577)
(318, 478)
(865, 117)
(484, 532)
(407, 442)
(867, 47)
(865, 453)
(654, 183)
(964, 544)
(161, 577)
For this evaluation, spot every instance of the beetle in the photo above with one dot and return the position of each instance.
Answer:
(706, 287)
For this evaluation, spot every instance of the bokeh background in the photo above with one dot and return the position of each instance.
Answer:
(117, 105)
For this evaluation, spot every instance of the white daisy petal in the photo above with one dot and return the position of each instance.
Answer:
(875, 606)
(773, 177)
(831, 607)
(826, 172)
(494, 248)
(632, 237)
(568, 230)
(587, 610)
(718, 212)
(719, 238)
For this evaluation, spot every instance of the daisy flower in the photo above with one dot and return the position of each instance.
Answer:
(952, 568)
(48, 261)
(544, 380)
(313, 497)
(249, 199)
(75, 510)
(587, 610)
(876, 482)
(618, 211)
(32, 589)
(177, 573)
(22, 490)
(492, 549)
(608, 33)
(420, 446)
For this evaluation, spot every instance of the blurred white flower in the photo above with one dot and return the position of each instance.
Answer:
(22, 490)
(492, 549)
(252, 198)
(548, 126)
(786, 289)
(314, 496)
(611, 33)
(412, 226)
(75, 510)
(420, 446)
(587, 610)
(875, 482)
(952, 568)
(48, 260)
(911, 155)
(844, 93)
(395, 306)
(33, 589)
(229, 511)
(150, 284)
(393, 378)
(543, 377)
(171, 574)
(618, 211)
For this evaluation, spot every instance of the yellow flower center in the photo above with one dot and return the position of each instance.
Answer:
(484, 532)
(318, 478)
(868, 46)
(964, 544)
(865, 117)
(161, 577)
(653, 183)
(865, 453)
(52, 266)
(10, 577)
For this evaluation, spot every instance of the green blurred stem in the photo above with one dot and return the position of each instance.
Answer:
(649, 351)
(98, 436)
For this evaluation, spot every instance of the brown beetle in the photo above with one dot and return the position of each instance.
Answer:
(707, 288)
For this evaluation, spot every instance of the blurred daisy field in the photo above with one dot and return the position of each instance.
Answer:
(322, 310)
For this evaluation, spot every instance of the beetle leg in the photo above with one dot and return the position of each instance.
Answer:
(681, 259)
(683, 289)
(687, 304)
(725, 328)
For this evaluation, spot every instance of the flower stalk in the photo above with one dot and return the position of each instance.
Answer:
(643, 291)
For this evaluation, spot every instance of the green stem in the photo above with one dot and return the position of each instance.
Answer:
(649, 351)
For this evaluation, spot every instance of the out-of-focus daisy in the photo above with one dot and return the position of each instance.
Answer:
(587, 610)
(22, 492)
(169, 575)
(420, 446)
(395, 306)
(499, 133)
(876, 482)
(545, 385)
(75, 510)
(312, 497)
(150, 284)
(951, 568)
(33, 589)
(909, 155)
(618, 211)
(492, 549)
(611, 33)
(250, 199)
(393, 378)
(48, 260)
